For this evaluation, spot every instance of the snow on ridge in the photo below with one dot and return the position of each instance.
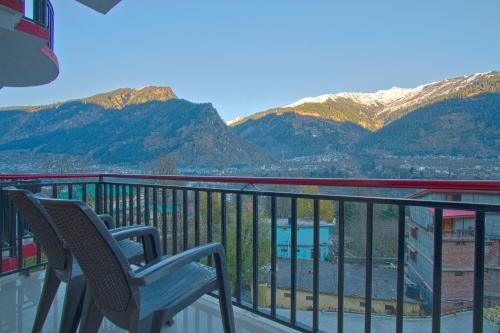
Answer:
(233, 121)
(380, 97)
(396, 97)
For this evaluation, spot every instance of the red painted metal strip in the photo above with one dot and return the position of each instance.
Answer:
(17, 5)
(464, 185)
(32, 28)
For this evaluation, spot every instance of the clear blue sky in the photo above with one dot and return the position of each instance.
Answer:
(248, 56)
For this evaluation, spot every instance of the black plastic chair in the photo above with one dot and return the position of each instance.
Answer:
(145, 299)
(62, 268)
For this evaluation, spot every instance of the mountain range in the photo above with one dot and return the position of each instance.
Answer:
(356, 122)
(458, 116)
(128, 126)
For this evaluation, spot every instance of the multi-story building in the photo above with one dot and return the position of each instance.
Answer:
(305, 239)
(458, 250)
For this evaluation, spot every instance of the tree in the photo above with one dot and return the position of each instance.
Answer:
(165, 165)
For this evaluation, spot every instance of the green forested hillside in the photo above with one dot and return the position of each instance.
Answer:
(137, 133)
(289, 135)
(456, 127)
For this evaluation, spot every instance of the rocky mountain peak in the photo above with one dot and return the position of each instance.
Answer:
(120, 98)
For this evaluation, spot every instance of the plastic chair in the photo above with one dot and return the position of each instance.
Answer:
(61, 267)
(145, 299)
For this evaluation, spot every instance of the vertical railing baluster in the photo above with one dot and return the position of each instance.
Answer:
(124, 205)
(185, 220)
(293, 257)
(164, 233)
(105, 202)
(238, 248)
(98, 197)
(273, 256)
(255, 252)
(54, 191)
(155, 207)
(138, 212)
(3, 218)
(316, 266)
(131, 205)
(340, 281)
(110, 203)
(401, 270)
(84, 192)
(369, 268)
(117, 205)
(38, 251)
(174, 221)
(477, 319)
(209, 222)
(20, 235)
(196, 218)
(146, 205)
(436, 280)
(223, 222)
(13, 232)
(70, 191)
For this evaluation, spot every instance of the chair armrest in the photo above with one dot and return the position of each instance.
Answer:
(159, 269)
(107, 219)
(149, 235)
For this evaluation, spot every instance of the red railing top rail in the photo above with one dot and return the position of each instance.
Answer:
(458, 185)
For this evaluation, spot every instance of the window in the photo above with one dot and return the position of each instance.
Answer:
(362, 304)
(309, 298)
(389, 309)
(413, 255)
(459, 273)
(283, 250)
(414, 232)
(287, 295)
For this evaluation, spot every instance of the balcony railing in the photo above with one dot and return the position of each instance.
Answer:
(190, 210)
(43, 14)
(459, 235)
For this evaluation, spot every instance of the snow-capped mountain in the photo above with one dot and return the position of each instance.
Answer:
(233, 121)
(384, 102)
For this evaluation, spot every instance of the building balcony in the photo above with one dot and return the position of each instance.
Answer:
(11, 12)
(101, 6)
(361, 286)
(27, 57)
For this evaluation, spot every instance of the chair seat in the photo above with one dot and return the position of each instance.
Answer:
(178, 290)
(133, 250)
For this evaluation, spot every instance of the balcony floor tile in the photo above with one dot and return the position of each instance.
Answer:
(19, 296)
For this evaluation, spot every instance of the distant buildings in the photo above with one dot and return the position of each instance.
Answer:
(305, 239)
(383, 288)
(458, 250)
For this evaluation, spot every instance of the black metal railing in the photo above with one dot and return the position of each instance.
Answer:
(189, 214)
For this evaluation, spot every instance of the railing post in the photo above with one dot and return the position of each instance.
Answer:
(340, 286)
(369, 257)
(316, 265)
(436, 282)
(479, 273)
(98, 195)
(401, 270)
(3, 201)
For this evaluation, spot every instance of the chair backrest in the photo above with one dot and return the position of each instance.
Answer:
(98, 253)
(41, 225)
